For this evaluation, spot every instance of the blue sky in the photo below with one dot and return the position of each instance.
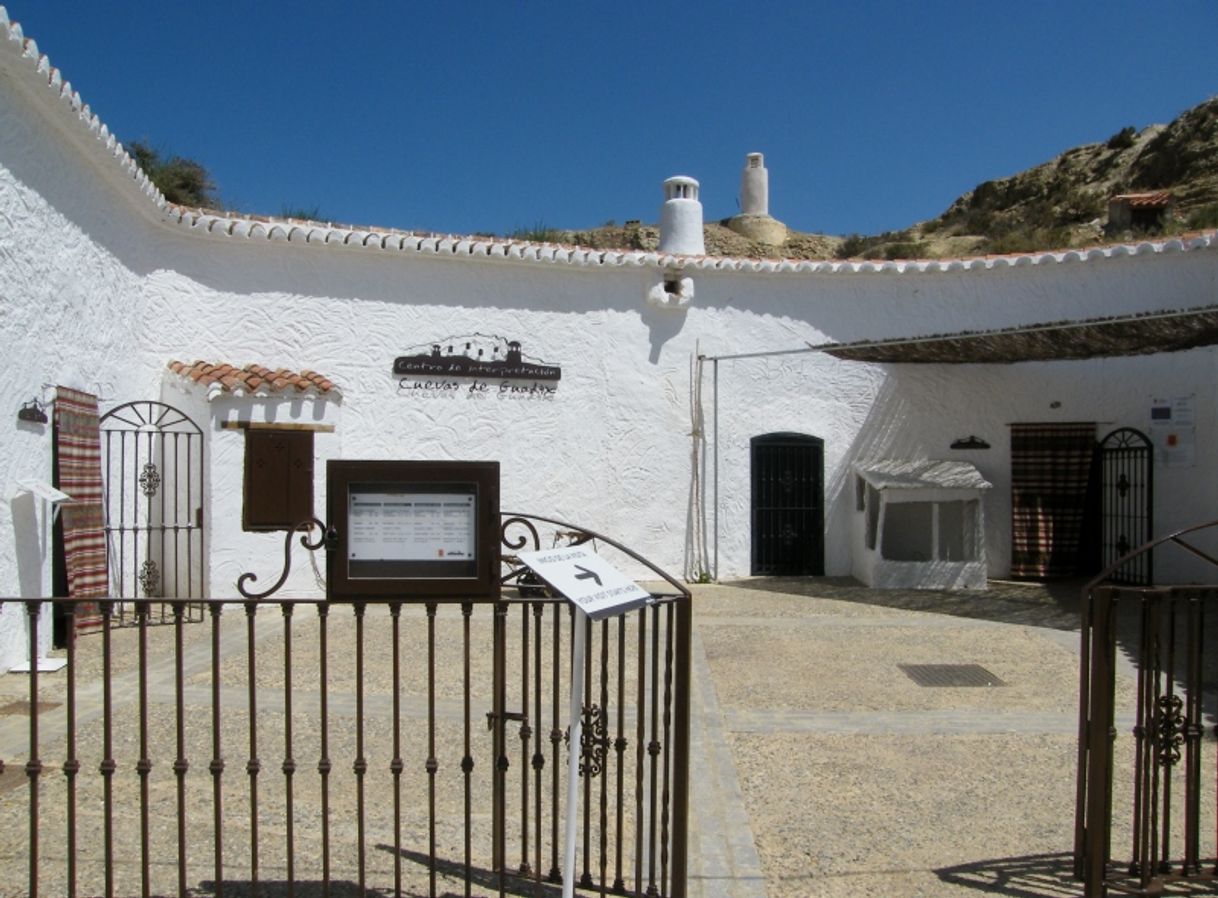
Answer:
(494, 116)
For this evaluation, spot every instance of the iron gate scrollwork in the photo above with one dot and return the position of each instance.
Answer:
(1155, 809)
(1127, 488)
(152, 470)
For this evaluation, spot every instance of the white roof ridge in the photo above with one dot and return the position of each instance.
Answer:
(206, 222)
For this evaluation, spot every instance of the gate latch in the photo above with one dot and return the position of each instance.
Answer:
(507, 715)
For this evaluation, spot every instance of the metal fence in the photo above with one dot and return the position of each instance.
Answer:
(302, 747)
(1146, 791)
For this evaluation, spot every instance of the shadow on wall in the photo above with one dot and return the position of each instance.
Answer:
(29, 543)
(662, 326)
(881, 434)
(39, 158)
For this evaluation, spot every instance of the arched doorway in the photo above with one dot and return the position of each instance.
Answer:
(1127, 491)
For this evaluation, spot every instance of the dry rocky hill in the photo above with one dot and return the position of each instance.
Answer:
(1056, 205)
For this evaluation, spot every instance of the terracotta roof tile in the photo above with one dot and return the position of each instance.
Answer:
(1145, 200)
(253, 379)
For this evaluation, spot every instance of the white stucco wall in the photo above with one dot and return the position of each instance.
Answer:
(100, 293)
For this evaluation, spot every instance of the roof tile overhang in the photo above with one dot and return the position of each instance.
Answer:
(253, 380)
(922, 474)
(1165, 331)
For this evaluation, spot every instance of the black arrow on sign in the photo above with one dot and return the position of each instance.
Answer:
(587, 575)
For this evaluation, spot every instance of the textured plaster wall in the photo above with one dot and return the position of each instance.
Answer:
(70, 314)
(97, 295)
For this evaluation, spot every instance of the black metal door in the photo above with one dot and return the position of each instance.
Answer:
(1127, 497)
(152, 468)
(788, 504)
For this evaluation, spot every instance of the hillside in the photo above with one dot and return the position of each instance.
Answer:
(1059, 204)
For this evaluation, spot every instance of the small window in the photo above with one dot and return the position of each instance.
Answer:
(873, 514)
(860, 494)
(278, 479)
(908, 531)
(957, 530)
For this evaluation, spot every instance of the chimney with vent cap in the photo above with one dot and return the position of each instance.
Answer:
(681, 218)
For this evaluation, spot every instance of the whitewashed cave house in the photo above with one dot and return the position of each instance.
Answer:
(718, 414)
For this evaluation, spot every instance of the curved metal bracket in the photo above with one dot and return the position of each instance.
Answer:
(306, 526)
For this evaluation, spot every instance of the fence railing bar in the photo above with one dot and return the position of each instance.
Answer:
(143, 767)
(324, 764)
(1168, 715)
(33, 766)
(666, 793)
(360, 766)
(253, 766)
(499, 709)
(467, 760)
(396, 766)
(585, 878)
(619, 748)
(539, 758)
(289, 760)
(180, 764)
(71, 764)
(108, 766)
(653, 750)
(556, 612)
(1193, 733)
(525, 733)
(603, 852)
(432, 765)
(217, 758)
(640, 746)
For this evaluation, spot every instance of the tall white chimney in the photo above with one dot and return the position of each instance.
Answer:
(681, 218)
(755, 186)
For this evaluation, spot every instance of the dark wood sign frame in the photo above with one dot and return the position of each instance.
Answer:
(416, 490)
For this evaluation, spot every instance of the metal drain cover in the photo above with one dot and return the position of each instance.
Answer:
(950, 675)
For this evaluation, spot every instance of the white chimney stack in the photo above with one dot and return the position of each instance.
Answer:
(755, 186)
(681, 218)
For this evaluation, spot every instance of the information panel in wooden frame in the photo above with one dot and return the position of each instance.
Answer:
(423, 531)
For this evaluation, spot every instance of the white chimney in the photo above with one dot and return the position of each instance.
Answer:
(681, 218)
(755, 186)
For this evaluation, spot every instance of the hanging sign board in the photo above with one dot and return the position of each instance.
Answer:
(413, 530)
(583, 577)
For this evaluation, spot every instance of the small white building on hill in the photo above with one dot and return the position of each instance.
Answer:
(714, 413)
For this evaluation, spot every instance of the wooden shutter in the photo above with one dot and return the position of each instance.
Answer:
(278, 479)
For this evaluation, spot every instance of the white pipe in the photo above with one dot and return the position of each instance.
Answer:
(576, 716)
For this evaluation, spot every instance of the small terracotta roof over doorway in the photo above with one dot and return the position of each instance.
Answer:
(253, 379)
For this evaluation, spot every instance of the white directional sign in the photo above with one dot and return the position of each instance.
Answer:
(595, 586)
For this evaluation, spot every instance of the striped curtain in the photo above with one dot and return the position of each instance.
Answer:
(78, 450)
(1050, 466)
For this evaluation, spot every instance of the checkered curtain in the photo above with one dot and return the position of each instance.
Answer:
(1050, 466)
(78, 446)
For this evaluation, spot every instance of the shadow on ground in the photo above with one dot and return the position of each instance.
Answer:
(1030, 876)
(522, 884)
(1050, 876)
(1054, 604)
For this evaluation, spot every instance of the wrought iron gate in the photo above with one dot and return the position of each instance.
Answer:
(152, 468)
(788, 504)
(1127, 483)
(313, 747)
(1144, 811)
